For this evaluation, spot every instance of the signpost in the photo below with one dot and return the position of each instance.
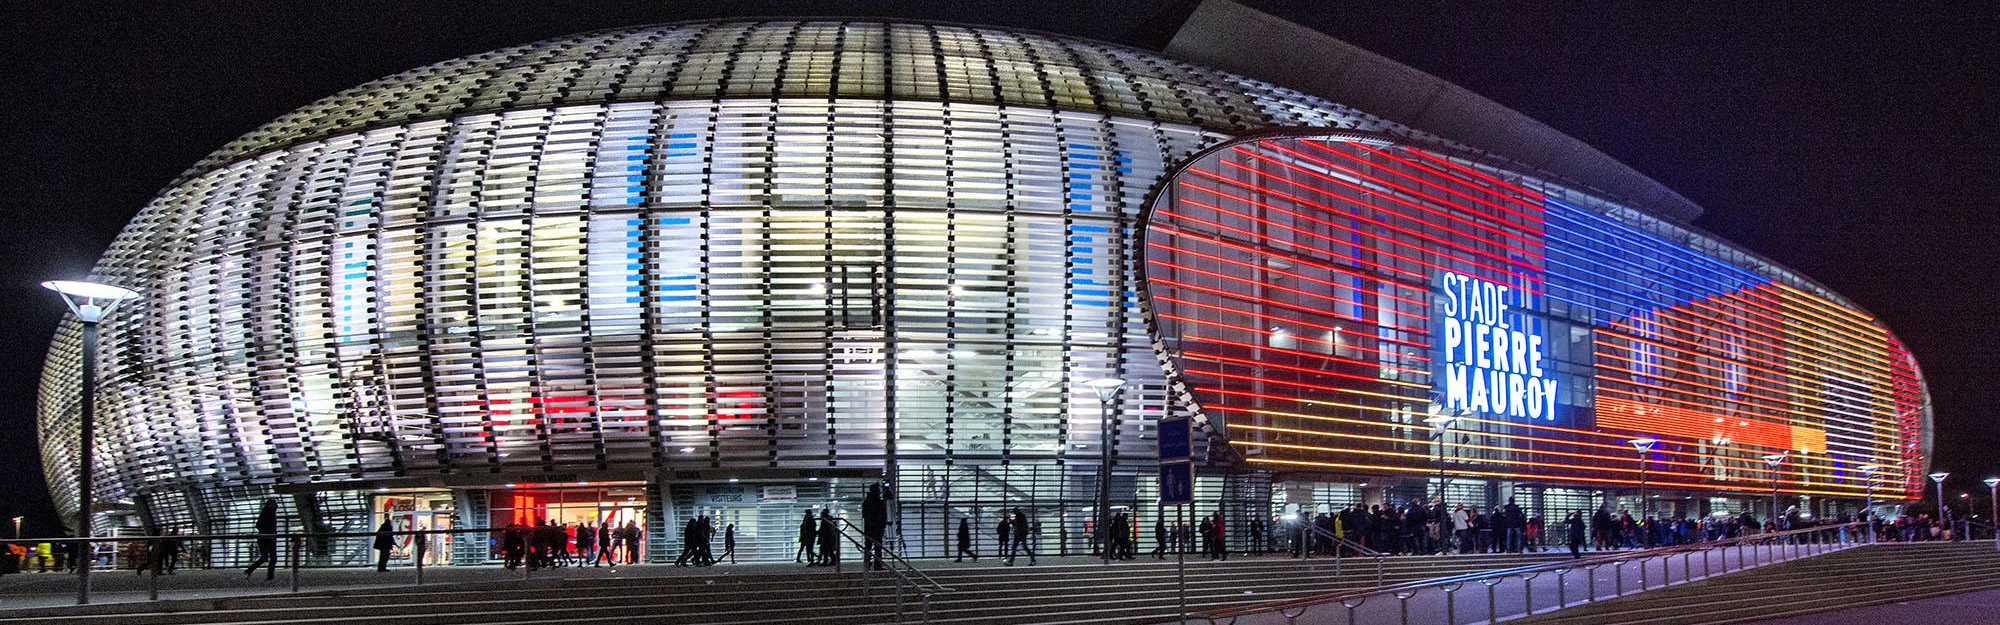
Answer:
(1177, 485)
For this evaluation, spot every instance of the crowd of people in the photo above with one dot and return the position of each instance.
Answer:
(549, 545)
(1418, 527)
(1432, 528)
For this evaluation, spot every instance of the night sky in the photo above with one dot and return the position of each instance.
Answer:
(1855, 142)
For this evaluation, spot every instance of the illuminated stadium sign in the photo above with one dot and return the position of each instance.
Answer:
(1490, 362)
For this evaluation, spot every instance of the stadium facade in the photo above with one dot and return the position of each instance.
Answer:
(746, 268)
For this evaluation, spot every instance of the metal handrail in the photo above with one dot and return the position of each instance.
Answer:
(848, 531)
(898, 557)
(1338, 541)
(294, 541)
(1291, 609)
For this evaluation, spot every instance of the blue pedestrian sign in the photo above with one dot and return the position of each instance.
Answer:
(1175, 439)
(1176, 483)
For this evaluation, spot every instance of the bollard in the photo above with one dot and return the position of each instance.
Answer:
(1403, 603)
(1642, 576)
(421, 548)
(295, 563)
(1528, 591)
(1618, 577)
(1562, 593)
(1591, 574)
(1451, 602)
(1291, 618)
(1704, 563)
(1492, 602)
(1687, 567)
(1350, 608)
(153, 581)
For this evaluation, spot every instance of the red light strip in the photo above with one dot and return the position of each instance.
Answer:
(1261, 331)
(1420, 249)
(1535, 205)
(1185, 338)
(1356, 215)
(1476, 174)
(1282, 272)
(1265, 317)
(1532, 238)
(1183, 233)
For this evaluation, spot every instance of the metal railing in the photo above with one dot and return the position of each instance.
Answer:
(291, 549)
(1768, 549)
(1313, 536)
(902, 572)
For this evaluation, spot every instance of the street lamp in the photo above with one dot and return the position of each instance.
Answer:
(1645, 446)
(1939, 478)
(1868, 509)
(17, 528)
(90, 302)
(1107, 390)
(1772, 461)
(1442, 421)
(1992, 499)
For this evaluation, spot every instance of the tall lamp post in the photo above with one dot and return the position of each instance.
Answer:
(1992, 500)
(1442, 422)
(1939, 478)
(1772, 461)
(1645, 447)
(90, 302)
(1107, 391)
(1868, 508)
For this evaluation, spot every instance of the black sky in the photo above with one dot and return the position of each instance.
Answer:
(1852, 141)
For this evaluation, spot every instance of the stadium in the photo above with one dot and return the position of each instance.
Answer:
(748, 268)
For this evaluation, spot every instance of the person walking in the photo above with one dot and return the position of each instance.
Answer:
(605, 539)
(1005, 530)
(385, 542)
(704, 535)
(874, 523)
(630, 535)
(806, 551)
(1021, 534)
(729, 543)
(1160, 538)
(965, 542)
(267, 541)
(687, 541)
(1221, 538)
(1576, 534)
(829, 540)
(170, 551)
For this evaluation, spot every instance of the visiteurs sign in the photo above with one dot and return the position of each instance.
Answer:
(1490, 362)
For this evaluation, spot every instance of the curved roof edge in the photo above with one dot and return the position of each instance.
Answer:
(1235, 38)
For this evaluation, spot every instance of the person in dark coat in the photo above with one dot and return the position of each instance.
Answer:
(267, 541)
(1576, 534)
(704, 534)
(729, 543)
(1005, 532)
(965, 542)
(806, 542)
(688, 532)
(874, 523)
(829, 540)
(385, 542)
(606, 537)
(1160, 537)
(1021, 535)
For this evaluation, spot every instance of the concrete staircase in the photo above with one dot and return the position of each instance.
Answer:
(1142, 591)
(1870, 575)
